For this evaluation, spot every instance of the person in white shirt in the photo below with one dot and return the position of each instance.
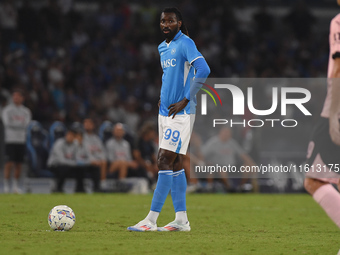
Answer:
(15, 118)
(119, 153)
(95, 150)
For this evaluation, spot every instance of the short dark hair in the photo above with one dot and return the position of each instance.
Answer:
(178, 16)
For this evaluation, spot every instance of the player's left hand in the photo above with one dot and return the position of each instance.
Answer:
(177, 107)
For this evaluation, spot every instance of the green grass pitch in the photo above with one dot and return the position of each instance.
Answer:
(221, 224)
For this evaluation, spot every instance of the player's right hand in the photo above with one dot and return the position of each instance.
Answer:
(177, 107)
(334, 129)
(159, 103)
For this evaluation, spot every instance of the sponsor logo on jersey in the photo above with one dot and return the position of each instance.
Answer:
(169, 63)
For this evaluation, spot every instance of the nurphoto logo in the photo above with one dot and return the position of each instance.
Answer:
(280, 98)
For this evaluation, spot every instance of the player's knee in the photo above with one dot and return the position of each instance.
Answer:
(164, 163)
(311, 185)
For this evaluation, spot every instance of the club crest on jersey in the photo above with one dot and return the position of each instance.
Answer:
(173, 51)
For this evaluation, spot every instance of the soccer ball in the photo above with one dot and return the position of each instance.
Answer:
(61, 218)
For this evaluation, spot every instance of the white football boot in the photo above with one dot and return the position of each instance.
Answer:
(175, 226)
(144, 225)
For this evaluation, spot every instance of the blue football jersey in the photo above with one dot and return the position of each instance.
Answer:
(176, 59)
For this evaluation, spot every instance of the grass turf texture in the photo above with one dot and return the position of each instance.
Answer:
(221, 224)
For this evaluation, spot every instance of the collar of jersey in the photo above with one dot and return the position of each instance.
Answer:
(176, 37)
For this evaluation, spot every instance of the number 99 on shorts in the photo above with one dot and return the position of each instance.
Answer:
(172, 136)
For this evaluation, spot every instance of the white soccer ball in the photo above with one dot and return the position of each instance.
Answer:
(61, 218)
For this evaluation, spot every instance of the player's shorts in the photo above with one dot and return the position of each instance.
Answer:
(323, 156)
(15, 152)
(175, 133)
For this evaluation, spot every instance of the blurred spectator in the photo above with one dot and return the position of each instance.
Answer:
(116, 112)
(58, 95)
(90, 168)
(79, 36)
(223, 150)
(8, 20)
(95, 150)
(109, 97)
(55, 73)
(119, 153)
(62, 161)
(145, 154)
(131, 117)
(15, 118)
(193, 158)
(243, 17)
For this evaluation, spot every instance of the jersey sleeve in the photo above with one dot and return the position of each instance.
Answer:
(190, 51)
(334, 37)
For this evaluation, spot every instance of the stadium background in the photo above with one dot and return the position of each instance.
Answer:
(99, 59)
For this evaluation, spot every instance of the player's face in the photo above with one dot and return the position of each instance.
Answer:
(17, 98)
(169, 25)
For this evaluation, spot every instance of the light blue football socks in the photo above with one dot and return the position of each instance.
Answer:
(177, 183)
(163, 187)
(178, 194)
(178, 191)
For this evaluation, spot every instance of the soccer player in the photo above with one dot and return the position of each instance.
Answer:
(16, 118)
(324, 149)
(181, 62)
